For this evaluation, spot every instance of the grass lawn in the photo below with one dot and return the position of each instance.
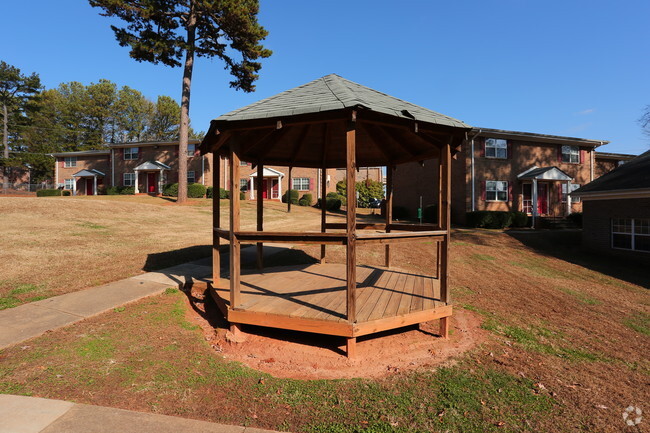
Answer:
(569, 338)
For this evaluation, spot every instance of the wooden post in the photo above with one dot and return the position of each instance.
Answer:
(234, 226)
(216, 219)
(440, 210)
(445, 191)
(351, 347)
(323, 209)
(389, 209)
(444, 327)
(289, 191)
(260, 213)
(351, 223)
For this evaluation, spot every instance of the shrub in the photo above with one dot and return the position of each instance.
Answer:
(496, 219)
(293, 194)
(170, 190)
(242, 196)
(331, 204)
(208, 192)
(196, 190)
(430, 214)
(366, 189)
(576, 218)
(520, 219)
(66, 193)
(306, 200)
(400, 213)
(50, 193)
(127, 190)
(337, 196)
(113, 190)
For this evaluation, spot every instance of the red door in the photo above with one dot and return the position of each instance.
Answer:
(265, 194)
(542, 198)
(89, 187)
(151, 182)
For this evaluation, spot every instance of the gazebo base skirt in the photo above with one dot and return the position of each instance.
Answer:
(312, 298)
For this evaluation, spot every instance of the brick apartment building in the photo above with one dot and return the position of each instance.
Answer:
(148, 166)
(500, 170)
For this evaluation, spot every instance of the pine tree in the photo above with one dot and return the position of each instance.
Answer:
(162, 31)
(17, 91)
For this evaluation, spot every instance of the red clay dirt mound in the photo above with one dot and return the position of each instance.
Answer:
(300, 355)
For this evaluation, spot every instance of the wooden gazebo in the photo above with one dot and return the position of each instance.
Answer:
(333, 123)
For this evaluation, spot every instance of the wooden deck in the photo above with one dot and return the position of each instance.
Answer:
(312, 298)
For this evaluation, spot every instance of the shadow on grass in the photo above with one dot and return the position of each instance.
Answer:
(166, 259)
(566, 245)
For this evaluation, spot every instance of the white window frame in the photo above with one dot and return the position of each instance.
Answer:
(496, 148)
(570, 154)
(68, 184)
(191, 177)
(492, 186)
(298, 183)
(70, 161)
(635, 224)
(574, 186)
(131, 152)
(243, 185)
(191, 148)
(128, 179)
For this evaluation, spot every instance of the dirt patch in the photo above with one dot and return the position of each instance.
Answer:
(301, 355)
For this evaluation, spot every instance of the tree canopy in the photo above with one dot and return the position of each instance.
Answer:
(163, 31)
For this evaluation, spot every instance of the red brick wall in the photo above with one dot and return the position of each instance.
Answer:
(88, 162)
(596, 225)
(604, 165)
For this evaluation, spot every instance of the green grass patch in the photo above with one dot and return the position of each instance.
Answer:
(484, 257)
(96, 348)
(91, 225)
(24, 288)
(581, 297)
(537, 266)
(639, 322)
(9, 302)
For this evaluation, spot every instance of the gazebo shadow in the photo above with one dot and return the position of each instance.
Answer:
(566, 245)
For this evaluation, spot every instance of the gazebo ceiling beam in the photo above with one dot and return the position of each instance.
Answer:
(391, 134)
(271, 122)
(264, 138)
(379, 142)
(277, 135)
(300, 144)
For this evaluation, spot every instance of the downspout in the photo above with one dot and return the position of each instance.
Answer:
(112, 167)
(472, 172)
(203, 170)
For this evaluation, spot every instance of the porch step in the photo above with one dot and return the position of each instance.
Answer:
(557, 223)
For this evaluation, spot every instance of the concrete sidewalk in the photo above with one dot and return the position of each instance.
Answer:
(31, 320)
(20, 414)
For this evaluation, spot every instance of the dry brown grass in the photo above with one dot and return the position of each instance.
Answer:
(55, 245)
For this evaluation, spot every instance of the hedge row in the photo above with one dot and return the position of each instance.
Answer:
(496, 219)
(194, 190)
(120, 190)
(53, 193)
(331, 204)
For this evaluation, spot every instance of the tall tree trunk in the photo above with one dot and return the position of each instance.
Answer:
(5, 144)
(184, 129)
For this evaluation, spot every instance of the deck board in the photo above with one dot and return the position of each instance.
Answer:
(318, 293)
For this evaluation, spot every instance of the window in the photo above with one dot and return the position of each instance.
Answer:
(131, 153)
(571, 154)
(243, 163)
(69, 184)
(301, 183)
(70, 161)
(191, 148)
(129, 179)
(496, 148)
(631, 234)
(572, 188)
(496, 190)
(190, 177)
(243, 185)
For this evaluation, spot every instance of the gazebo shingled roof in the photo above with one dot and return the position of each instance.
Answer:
(290, 127)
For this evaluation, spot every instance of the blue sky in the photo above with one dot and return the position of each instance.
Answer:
(575, 68)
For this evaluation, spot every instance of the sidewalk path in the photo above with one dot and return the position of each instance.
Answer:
(19, 414)
(31, 320)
